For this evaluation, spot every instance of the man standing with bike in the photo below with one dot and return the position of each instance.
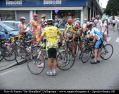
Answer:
(22, 26)
(51, 32)
(98, 41)
(35, 27)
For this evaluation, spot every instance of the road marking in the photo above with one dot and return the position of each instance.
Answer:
(117, 40)
(4, 73)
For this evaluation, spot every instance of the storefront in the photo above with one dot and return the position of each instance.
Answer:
(16, 8)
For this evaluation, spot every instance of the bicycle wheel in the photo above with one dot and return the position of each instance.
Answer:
(9, 54)
(65, 60)
(34, 65)
(1, 56)
(21, 54)
(85, 56)
(107, 52)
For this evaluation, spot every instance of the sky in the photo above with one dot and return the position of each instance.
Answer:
(103, 3)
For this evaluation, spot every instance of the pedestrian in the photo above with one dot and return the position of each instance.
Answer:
(105, 29)
(113, 22)
(117, 22)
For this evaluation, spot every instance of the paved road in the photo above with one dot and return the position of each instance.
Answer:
(81, 76)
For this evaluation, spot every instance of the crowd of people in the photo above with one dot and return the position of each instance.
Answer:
(96, 30)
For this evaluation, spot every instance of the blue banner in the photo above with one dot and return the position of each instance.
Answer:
(42, 3)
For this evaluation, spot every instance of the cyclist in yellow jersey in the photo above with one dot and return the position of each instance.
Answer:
(51, 32)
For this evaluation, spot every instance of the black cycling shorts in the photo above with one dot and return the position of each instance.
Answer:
(52, 53)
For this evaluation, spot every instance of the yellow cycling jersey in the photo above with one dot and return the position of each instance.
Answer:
(69, 27)
(51, 33)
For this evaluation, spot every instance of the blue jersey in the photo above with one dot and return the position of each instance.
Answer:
(97, 33)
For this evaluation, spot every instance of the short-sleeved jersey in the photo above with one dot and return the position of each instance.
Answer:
(51, 33)
(97, 33)
(69, 29)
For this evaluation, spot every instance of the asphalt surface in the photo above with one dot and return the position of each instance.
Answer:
(104, 75)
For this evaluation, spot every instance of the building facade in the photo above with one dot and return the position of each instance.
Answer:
(83, 9)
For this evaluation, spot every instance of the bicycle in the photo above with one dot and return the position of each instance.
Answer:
(87, 52)
(6, 52)
(63, 60)
(21, 47)
(67, 56)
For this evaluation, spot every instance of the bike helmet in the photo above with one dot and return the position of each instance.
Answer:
(22, 18)
(35, 15)
(43, 16)
(76, 26)
(69, 21)
(50, 22)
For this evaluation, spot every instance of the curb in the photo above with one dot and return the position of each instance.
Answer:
(13, 65)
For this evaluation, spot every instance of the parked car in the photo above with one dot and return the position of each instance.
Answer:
(15, 24)
(7, 31)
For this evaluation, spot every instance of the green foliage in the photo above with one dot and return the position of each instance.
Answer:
(112, 7)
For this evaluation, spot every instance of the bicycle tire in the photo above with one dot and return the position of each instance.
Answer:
(8, 54)
(21, 54)
(32, 65)
(105, 51)
(65, 61)
(85, 56)
(1, 56)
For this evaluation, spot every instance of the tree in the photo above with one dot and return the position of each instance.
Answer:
(112, 7)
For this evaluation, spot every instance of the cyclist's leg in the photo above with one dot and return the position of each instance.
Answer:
(96, 50)
(74, 46)
(51, 61)
(34, 36)
(99, 51)
(105, 38)
(54, 61)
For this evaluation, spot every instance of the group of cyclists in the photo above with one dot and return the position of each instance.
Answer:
(95, 30)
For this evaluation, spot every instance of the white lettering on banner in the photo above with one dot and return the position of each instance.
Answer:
(13, 2)
(52, 2)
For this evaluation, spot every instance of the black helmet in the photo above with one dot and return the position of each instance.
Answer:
(50, 22)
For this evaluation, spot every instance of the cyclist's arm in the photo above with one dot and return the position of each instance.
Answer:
(21, 29)
(65, 32)
(59, 33)
(41, 37)
(34, 24)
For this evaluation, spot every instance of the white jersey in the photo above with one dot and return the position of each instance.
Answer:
(97, 33)
(84, 26)
(105, 28)
(98, 24)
